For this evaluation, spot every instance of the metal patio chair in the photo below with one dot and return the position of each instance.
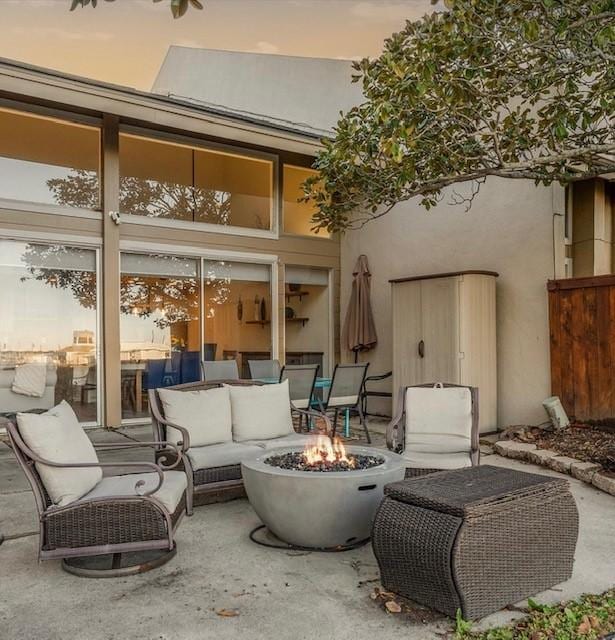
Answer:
(220, 370)
(436, 427)
(344, 394)
(301, 382)
(264, 369)
(121, 515)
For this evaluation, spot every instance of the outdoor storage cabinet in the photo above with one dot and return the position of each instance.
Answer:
(444, 331)
(475, 539)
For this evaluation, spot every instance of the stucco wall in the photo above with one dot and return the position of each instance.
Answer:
(510, 229)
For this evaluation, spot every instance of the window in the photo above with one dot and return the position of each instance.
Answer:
(308, 317)
(238, 311)
(160, 331)
(49, 161)
(298, 215)
(49, 318)
(165, 180)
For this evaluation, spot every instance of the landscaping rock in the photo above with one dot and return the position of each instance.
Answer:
(540, 456)
(605, 482)
(561, 464)
(512, 449)
(584, 470)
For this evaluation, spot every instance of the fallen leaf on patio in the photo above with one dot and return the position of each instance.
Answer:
(585, 627)
(227, 613)
(392, 606)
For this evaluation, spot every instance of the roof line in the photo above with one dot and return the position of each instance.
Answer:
(255, 119)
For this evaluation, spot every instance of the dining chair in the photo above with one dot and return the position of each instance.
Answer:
(220, 370)
(190, 370)
(264, 369)
(301, 382)
(344, 394)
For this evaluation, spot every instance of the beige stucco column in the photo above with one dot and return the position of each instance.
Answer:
(592, 224)
(111, 272)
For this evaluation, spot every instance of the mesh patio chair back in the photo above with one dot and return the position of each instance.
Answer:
(220, 370)
(346, 385)
(264, 369)
(301, 380)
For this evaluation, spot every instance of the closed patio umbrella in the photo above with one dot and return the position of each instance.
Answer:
(359, 333)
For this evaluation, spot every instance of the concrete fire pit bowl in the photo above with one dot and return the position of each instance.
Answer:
(315, 509)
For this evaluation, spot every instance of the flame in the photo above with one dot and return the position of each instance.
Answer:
(326, 451)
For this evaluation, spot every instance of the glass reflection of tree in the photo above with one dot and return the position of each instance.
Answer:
(166, 299)
(145, 197)
(218, 277)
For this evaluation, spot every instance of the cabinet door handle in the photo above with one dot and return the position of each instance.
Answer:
(422, 348)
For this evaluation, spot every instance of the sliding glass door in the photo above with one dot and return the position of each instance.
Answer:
(160, 326)
(177, 311)
(49, 329)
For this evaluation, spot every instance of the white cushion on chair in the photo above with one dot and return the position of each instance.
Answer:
(170, 493)
(57, 436)
(221, 455)
(206, 414)
(260, 412)
(30, 379)
(438, 427)
(291, 440)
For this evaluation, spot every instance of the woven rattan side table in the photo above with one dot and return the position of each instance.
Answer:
(475, 539)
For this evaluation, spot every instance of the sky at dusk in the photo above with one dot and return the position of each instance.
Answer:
(125, 41)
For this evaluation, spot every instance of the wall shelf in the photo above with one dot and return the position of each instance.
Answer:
(265, 322)
(301, 320)
(296, 294)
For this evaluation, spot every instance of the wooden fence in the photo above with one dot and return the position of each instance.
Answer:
(582, 329)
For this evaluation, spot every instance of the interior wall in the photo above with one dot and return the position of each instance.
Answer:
(510, 228)
(314, 335)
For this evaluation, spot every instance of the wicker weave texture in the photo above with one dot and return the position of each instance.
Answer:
(413, 547)
(506, 556)
(217, 474)
(513, 539)
(107, 523)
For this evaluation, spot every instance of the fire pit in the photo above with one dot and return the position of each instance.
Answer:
(322, 497)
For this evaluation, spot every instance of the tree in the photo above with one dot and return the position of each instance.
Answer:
(178, 7)
(522, 89)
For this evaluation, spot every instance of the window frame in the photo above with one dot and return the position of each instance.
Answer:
(208, 227)
(90, 244)
(69, 117)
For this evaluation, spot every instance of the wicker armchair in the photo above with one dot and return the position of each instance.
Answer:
(218, 479)
(96, 534)
(435, 452)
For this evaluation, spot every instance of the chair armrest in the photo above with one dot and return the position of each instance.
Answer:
(382, 376)
(158, 445)
(151, 467)
(183, 444)
(310, 413)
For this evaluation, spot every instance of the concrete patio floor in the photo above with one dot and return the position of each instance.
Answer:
(277, 594)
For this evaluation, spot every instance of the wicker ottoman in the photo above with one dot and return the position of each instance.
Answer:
(475, 539)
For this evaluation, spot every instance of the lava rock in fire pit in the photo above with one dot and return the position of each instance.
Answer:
(297, 461)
